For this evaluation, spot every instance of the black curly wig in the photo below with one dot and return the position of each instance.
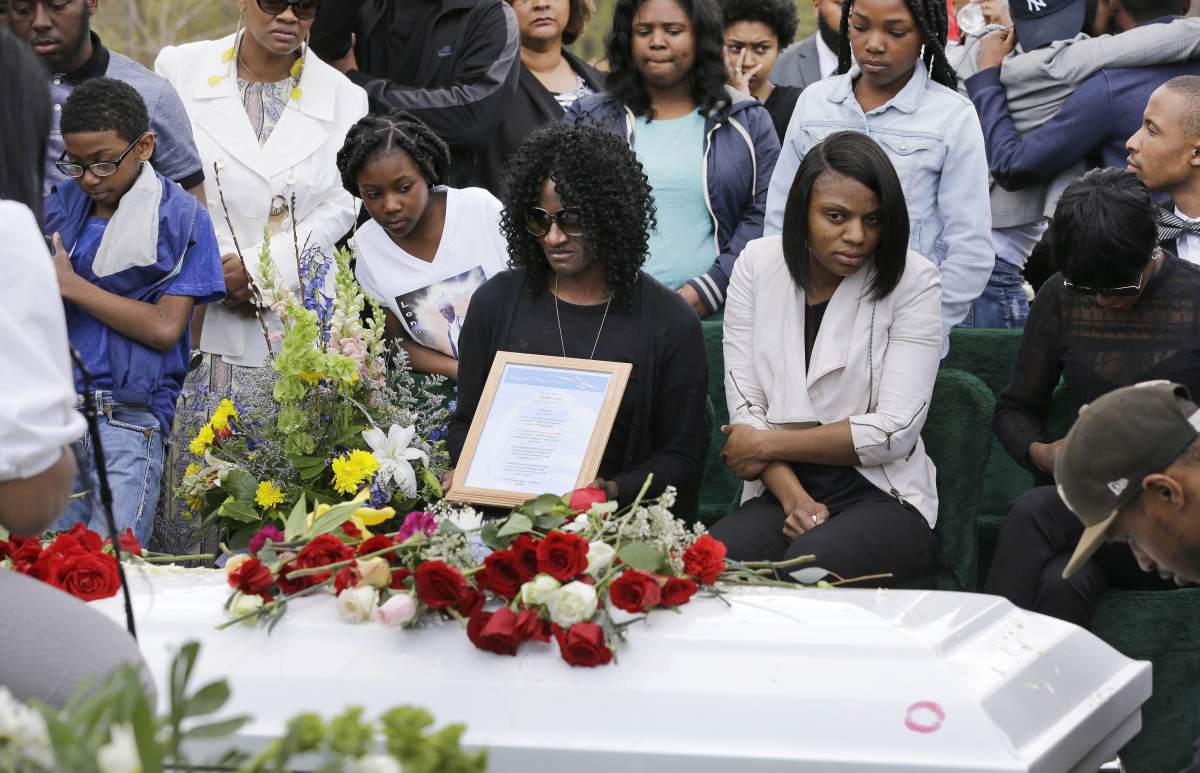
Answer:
(596, 173)
(104, 104)
(708, 74)
(779, 15)
(375, 134)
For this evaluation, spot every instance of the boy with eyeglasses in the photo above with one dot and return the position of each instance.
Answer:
(134, 253)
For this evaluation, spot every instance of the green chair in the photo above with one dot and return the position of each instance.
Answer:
(719, 486)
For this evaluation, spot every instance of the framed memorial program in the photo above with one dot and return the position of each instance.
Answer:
(541, 428)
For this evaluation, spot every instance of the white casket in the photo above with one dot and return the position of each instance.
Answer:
(804, 680)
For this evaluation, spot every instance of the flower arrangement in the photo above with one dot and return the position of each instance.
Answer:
(113, 729)
(575, 569)
(327, 420)
(78, 561)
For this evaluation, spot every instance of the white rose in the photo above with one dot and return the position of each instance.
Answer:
(119, 755)
(572, 603)
(600, 557)
(539, 590)
(373, 763)
(356, 605)
(398, 610)
(244, 605)
(376, 572)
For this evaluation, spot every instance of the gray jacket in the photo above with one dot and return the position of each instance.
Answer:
(1038, 82)
(798, 65)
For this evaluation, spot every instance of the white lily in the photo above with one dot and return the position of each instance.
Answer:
(395, 454)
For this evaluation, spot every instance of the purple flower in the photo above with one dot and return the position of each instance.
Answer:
(260, 539)
(417, 522)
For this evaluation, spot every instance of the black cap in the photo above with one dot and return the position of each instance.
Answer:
(1117, 441)
(1041, 22)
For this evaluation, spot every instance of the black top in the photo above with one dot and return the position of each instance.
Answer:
(1096, 351)
(660, 424)
(813, 314)
(781, 103)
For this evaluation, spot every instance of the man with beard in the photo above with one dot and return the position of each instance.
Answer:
(815, 57)
(451, 63)
(59, 31)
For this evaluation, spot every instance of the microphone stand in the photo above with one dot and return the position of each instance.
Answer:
(91, 413)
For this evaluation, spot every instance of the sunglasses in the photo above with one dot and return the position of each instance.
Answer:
(301, 9)
(99, 168)
(539, 222)
(1124, 291)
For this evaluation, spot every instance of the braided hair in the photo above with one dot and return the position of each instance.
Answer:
(376, 134)
(932, 19)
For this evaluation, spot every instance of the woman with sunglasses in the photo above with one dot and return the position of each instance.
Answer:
(427, 247)
(1119, 312)
(577, 216)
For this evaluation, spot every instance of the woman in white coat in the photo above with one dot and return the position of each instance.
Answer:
(270, 117)
(833, 337)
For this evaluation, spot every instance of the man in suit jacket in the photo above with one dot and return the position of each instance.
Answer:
(815, 57)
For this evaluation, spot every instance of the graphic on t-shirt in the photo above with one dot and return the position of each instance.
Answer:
(433, 315)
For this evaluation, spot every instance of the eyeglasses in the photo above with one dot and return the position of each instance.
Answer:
(539, 222)
(99, 168)
(1124, 291)
(301, 9)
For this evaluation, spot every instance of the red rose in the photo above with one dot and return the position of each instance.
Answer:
(583, 645)
(346, 577)
(705, 559)
(25, 550)
(399, 576)
(440, 585)
(582, 499)
(378, 542)
(300, 583)
(48, 567)
(562, 555)
(494, 631)
(322, 551)
(677, 591)
(634, 591)
(90, 576)
(88, 539)
(129, 543)
(351, 530)
(470, 603)
(66, 544)
(531, 626)
(502, 574)
(525, 548)
(252, 577)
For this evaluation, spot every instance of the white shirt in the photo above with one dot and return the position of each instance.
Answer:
(1015, 244)
(827, 59)
(37, 392)
(417, 291)
(1188, 244)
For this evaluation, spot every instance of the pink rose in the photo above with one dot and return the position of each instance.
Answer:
(400, 609)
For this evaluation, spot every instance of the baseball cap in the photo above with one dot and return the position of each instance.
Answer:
(1117, 441)
(1039, 23)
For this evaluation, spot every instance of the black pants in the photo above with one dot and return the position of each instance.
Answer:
(1035, 544)
(868, 531)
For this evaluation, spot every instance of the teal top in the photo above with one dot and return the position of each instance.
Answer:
(672, 153)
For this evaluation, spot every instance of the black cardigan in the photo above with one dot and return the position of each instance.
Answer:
(533, 107)
(672, 382)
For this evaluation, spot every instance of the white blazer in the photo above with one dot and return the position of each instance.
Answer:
(300, 157)
(873, 363)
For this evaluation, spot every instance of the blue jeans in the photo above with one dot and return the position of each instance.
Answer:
(1003, 303)
(133, 455)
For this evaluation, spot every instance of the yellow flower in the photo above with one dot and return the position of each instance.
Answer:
(268, 495)
(372, 517)
(351, 471)
(220, 418)
(202, 441)
(192, 470)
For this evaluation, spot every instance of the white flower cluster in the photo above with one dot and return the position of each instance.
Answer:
(451, 547)
(23, 736)
(653, 523)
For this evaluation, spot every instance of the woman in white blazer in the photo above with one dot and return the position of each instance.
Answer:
(833, 337)
(270, 116)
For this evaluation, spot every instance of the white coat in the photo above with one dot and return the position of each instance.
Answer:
(299, 157)
(874, 363)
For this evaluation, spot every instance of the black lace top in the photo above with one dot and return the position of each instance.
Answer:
(1096, 351)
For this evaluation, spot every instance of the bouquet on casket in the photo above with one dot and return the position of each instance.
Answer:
(576, 570)
(330, 419)
(79, 562)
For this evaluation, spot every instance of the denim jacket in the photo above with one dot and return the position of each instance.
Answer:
(924, 129)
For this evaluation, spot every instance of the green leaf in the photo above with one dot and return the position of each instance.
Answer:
(641, 555)
(225, 727)
(296, 521)
(516, 524)
(241, 484)
(542, 505)
(809, 575)
(144, 736)
(331, 520)
(309, 467)
(432, 482)
(207, 699)
(237, 511)
(548, 522)
(489, 533)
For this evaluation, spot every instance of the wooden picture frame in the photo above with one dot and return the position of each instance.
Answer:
(507, 457)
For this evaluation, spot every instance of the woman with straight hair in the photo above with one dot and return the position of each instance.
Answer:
(829, 432)
(708, 151)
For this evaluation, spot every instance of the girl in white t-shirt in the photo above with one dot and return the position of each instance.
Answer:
(427, 247)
